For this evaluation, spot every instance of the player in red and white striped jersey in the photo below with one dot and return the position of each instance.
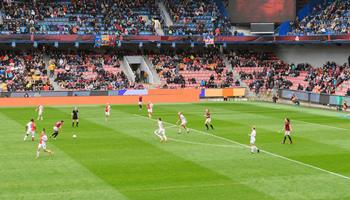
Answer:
(58, 125)
(207, 122)
(30, 129)
(140, 102)
(107, 111)
(42, 144)
(150, 109)
(287, 131)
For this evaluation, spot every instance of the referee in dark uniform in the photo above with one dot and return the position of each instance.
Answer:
(75, 117)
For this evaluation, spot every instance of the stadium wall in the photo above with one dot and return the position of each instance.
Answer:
(314, 98)
(115, 97)
(316, 55)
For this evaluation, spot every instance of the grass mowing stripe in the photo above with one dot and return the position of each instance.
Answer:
(324, 125)
(264, 115)
(309, 110)
(249, 176)
(49, 177)
(267, 152)
(110, 127)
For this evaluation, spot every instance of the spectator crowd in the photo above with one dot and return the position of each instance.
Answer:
(23, 72)
(331, 17)
(127, 17)
(189, 69)
(119, 17)
(88, 71)
(197, 18)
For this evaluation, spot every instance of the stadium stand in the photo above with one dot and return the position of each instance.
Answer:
(125, 17)
(262, 71)
(23, 72)
(189, 69)
(328, 78)
(331, 17)
(83, 71)
(196, 18)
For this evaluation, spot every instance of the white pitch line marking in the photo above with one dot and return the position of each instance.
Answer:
(182, 187)
(203, 144)
(267, 152)
(325, 125)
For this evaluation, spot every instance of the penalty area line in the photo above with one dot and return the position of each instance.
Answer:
(264, 151)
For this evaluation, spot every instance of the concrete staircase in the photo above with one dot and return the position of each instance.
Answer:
(145, 65)
(156, 78)
(236, 76)
(124, 65)
(165, 14)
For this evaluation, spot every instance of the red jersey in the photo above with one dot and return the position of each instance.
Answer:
(33, 126)
(287, 126)
(207, 114)
(140, 98)
(58, 124)
(107, 108)
(43, 139)
(149, 106)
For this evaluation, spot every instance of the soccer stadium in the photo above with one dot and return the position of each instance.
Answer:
(175, 99)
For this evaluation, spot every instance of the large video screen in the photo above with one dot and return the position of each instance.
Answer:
(259, 11)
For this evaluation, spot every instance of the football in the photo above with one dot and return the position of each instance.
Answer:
(74, 136)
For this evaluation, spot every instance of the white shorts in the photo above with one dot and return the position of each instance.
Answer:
(40, 113)
(150, 110)
(29, 132)
(42, 146)
(140, 103)
(183, 123)
(208, 121)
(55, 129)
(107, 113)
(252, 141)
(287, 133)
(160, 132)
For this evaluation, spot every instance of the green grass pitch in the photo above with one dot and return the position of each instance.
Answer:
(123, 159)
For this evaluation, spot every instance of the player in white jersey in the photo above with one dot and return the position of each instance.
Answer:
(253, 148)
(183, 122)
(30, 129)
(42, 144)
(160, 132)
(40, 110)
